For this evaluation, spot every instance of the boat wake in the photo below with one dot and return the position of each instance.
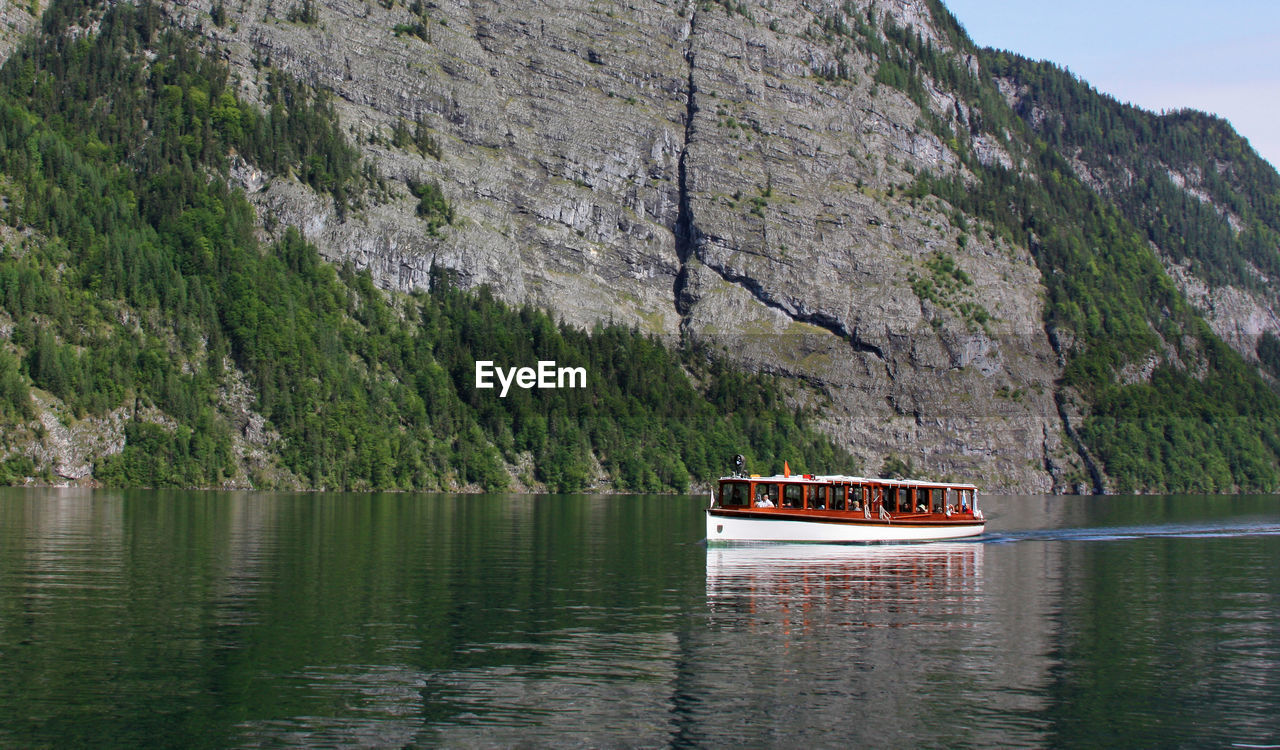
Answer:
(1206, 530)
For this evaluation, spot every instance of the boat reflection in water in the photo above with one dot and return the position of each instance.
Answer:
(870, 585)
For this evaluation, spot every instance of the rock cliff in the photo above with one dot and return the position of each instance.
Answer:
(716, 171)
(17, 20)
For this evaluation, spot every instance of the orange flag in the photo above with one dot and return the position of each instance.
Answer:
(786, 469)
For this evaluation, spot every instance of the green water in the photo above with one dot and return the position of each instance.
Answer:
(258, 619)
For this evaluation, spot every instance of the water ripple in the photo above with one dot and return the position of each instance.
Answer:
(1211, 530)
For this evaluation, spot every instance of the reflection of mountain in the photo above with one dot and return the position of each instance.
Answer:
(68, 563)
(257, 620)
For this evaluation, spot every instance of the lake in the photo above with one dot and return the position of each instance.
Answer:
(200, 619)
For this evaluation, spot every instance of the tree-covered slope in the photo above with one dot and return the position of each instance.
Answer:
(1168, 406)
(1192, 185)
(1186, 179)
(140, 305)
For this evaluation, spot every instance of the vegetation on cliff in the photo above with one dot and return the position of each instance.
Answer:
(1202, 420)
(133, 283)
(1185, 179)
(1199, 418)
(136, 289)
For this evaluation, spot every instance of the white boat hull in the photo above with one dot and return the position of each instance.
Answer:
(796, 528)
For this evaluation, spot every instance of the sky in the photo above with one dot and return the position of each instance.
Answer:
(1220, 57)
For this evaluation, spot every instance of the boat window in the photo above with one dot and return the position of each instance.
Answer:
(837, 497)
(818, 498)
(793, 496)
(765, 496)
(733, 493)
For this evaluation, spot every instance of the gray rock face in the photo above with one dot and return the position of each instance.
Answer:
(16, 20)
(69, 446)
(1238, 316)
(692, 171)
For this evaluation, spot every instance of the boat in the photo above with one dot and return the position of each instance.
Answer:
(838, 508)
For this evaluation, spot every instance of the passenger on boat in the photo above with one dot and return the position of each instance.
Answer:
(762, 497)
(857, 505)
(818, 500)
(921, 509)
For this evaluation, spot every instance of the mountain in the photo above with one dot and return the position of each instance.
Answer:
(948, 258)
(1207, 203)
